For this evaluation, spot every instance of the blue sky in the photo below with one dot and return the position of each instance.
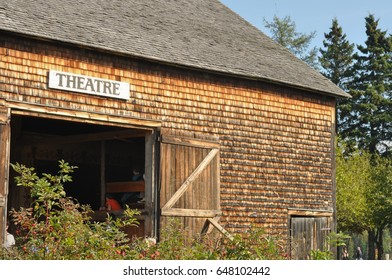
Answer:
(317, 15)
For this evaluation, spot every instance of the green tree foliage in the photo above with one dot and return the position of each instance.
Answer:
(366, 122)
(284, 31)
(365, 125)
(337, 56)
(364, 193)
(353, 175)
(379, 203)
(336, 61)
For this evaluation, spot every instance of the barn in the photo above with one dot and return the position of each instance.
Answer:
(230, 130)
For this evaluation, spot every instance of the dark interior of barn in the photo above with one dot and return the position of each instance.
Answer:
(101, 152)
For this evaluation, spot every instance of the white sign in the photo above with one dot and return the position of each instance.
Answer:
(89, 85)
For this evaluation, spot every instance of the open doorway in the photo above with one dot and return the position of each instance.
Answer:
(104, 154)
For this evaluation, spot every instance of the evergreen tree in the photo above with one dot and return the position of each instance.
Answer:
(284, 32)
(367, 122)
(336, 61)
(337, 56)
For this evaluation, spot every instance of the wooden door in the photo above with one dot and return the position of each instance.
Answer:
(190, 183)
(4, 167)
(307, 234)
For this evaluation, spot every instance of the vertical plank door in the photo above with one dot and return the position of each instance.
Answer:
(190, 183)
(307, 234)
(4, 167)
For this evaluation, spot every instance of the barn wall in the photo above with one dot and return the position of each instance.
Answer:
(276, 148)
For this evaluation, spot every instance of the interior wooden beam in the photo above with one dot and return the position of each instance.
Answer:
(111, 135)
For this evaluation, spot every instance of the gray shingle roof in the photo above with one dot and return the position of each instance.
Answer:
(201, 34)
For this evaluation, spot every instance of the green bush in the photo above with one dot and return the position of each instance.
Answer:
(57, 227)
(334, 240)
(174, 245)
(321, 255)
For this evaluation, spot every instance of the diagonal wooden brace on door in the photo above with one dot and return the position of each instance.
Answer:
(214, 222)
(190, 179)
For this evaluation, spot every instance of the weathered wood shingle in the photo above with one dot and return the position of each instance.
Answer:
(201, 34)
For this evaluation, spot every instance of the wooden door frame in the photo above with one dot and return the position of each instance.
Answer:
(151, 128)
(305, 213)
(5, 139)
